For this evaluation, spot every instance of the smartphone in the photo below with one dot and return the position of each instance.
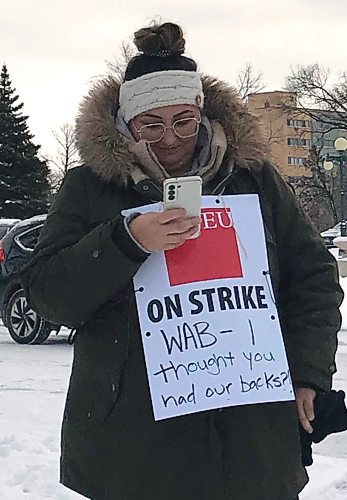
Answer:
(184, 192)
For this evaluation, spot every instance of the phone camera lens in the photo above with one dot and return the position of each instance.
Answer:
(172, 186)
(171, 197)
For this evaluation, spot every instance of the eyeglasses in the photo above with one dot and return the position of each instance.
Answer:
(184, 128)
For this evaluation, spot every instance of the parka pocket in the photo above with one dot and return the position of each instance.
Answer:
(99, 358)
(91, 399)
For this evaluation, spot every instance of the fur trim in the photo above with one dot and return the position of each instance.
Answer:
(106, 151)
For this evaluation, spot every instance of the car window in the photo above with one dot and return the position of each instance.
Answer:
(28, 239)
(3, 230)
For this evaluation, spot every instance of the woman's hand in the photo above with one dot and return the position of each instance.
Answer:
(304, 402)
(165, 230)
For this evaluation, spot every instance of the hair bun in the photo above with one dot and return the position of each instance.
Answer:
(160, 39)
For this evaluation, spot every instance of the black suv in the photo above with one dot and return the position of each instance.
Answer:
(24, 325)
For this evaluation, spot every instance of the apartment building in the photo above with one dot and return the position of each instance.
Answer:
(287, 128)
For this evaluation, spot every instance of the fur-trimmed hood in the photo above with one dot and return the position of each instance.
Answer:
(106, 150)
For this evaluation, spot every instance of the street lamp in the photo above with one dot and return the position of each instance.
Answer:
(341, 146)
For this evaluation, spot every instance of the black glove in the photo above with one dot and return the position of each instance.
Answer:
(330, 417)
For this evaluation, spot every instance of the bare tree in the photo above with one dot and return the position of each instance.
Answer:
(323, 100)
(67, 155)
(274, 134)
(118, 66)
(318, 193)
(249, 82)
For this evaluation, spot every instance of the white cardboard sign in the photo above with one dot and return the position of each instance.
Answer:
(209, 324)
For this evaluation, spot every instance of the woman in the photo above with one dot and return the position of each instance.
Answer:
(165, 120)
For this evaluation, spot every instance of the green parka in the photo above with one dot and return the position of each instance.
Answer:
(81, 275)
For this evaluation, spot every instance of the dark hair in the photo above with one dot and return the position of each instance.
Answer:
(162, 46)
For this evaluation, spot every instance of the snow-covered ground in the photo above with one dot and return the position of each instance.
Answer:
(33, 383)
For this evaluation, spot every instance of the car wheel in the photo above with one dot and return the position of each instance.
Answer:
(24, 325)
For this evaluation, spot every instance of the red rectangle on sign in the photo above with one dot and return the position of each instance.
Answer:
(214, 255)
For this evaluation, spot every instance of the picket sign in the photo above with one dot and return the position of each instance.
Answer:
(208, 318)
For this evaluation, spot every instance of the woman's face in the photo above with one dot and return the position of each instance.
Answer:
(173, 152)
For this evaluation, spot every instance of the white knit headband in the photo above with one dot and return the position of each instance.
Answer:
(155, 90)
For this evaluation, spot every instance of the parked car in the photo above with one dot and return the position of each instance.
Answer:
(24, 325)
(6, 225)
(330, 234)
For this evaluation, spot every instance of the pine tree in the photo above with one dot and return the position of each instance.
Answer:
(24, 185)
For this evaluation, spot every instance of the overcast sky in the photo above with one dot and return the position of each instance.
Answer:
(54, 49)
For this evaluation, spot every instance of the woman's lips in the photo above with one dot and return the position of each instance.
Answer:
(168, 150)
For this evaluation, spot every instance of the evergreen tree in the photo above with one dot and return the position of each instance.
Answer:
(24, 185)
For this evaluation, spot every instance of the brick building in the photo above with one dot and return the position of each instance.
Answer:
(287, 128)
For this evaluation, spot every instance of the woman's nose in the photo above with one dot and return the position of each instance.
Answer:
(169, 137)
